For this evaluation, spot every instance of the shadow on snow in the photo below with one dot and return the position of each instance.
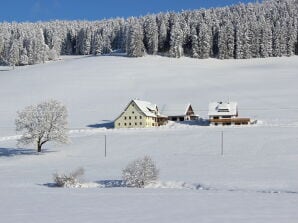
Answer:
(10, 152)
(112, 183)
(108, 124)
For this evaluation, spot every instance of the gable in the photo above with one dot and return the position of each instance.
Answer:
(134, 109)
(141, 108)
(189, 110)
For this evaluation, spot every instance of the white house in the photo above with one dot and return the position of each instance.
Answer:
(225, 113)
(140, 114)
(179, 112)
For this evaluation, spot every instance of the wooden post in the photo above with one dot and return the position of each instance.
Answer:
(105, 145)
(222, 141)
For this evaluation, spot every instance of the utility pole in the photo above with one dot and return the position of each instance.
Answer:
(222, 143)
(105, 145)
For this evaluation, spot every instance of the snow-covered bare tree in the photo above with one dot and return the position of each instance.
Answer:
(140, 172)
(41, 123)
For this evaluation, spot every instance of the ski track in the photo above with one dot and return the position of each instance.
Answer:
(176, 185)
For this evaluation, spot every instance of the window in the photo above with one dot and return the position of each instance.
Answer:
(118, 124)
(133, 112)
(141, 123)
(129, 117)
(129, 123)
(136, 117)
(136, 123)
(140, 117)
(152, 124)
(124, 117)
(125, 124)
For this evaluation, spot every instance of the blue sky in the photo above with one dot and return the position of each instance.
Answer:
(44, 10)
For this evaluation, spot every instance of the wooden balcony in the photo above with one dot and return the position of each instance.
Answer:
(230, 121)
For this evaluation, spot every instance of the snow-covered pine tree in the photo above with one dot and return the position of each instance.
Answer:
(204, 37)
(265, 38)
(97, 43)
(151, 34)
(24, 60)
(14, 53)
(135, 45)
(83, 43)
(176, 37)
(194, 42)
(163, 40)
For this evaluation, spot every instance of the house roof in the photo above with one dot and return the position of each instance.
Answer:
(147, 108)
(175, 110)
(222, 108)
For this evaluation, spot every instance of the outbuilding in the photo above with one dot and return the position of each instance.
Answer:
(180, 113)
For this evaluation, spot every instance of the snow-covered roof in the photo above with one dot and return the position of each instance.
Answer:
(147, 108)
(175, 110)
(222, 109)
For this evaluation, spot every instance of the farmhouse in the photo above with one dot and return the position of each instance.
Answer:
(140, 114)
(180, 113)
(225, 113)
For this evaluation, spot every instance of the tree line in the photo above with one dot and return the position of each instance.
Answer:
(243, 31)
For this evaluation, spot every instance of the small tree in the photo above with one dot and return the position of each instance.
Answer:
(42, 123)
(140, 172)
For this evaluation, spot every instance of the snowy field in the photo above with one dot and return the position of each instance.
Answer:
(255, 181)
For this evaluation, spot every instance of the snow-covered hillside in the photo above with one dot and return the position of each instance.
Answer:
(255, 181)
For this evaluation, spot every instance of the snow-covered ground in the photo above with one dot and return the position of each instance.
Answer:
(255, 181)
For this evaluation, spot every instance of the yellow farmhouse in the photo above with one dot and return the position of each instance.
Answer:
(140, 114)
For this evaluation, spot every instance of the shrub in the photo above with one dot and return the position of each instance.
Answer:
(140, 172)
(69, 180)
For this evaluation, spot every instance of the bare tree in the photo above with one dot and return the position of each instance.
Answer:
(42, 123)
(140, 172)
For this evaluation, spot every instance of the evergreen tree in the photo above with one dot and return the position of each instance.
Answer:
(151, 35)
(135, 45)
(176, 37)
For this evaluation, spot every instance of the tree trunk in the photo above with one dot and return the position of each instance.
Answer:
(38, 147)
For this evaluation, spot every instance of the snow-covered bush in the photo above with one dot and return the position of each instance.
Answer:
(140, 172)
(69, 180)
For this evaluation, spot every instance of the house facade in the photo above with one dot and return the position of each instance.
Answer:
(225, 113)
(180, 113)
(140, 114)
